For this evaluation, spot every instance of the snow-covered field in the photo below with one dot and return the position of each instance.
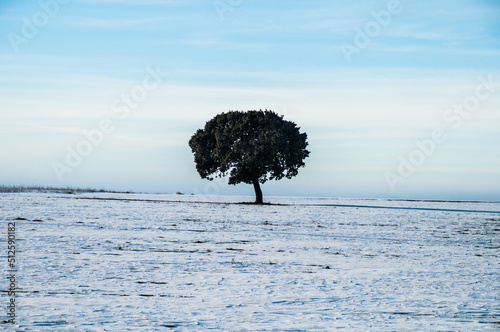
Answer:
(141, 262)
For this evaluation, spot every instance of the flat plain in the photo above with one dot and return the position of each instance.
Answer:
(142, 262)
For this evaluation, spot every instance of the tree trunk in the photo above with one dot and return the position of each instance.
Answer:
(258, 192)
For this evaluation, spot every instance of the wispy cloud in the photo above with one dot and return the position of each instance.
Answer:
(124, 22)
(133, 2)
(31, 128)
(116, 23)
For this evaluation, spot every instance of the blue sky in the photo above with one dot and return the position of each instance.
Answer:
(66, 65)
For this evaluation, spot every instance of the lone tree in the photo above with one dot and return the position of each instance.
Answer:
(253, 147)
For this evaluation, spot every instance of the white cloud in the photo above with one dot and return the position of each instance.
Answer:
(134, 2)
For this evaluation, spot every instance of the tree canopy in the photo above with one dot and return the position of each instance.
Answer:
(252, 147)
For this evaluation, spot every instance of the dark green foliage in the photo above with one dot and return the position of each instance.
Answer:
(252, 147)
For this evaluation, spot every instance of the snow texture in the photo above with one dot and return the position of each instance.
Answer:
(142, 262)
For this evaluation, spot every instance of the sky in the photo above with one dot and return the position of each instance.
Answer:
(399, 98)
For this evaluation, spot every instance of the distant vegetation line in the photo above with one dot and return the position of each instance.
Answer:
(21, 189)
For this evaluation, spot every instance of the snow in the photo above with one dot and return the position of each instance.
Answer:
(141, 262)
